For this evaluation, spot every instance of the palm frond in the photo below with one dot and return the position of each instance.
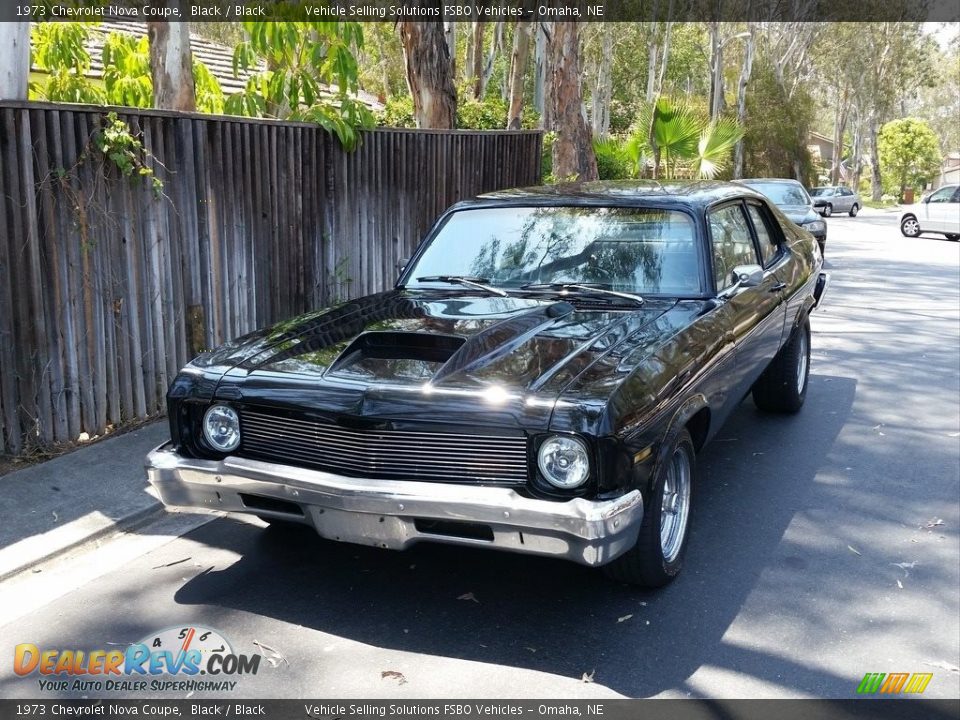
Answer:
(715, 146)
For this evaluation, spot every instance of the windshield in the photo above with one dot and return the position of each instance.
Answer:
(822, 192)
(635, 250)
(783, 193)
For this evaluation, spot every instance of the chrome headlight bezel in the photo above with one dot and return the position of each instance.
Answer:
(815, 226)
(547, 461)
(229, 418)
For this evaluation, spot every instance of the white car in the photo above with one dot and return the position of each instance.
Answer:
(939, 212)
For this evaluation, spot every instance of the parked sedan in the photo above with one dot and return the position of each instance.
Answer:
(938, 212)
(540, 379)
(792, 199)
(831, 199)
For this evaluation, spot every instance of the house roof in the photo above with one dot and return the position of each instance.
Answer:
(218, 58)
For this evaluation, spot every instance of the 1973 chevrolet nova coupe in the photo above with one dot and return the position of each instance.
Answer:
(540, 379)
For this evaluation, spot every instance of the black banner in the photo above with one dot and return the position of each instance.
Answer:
(902, 709)
(482, 10)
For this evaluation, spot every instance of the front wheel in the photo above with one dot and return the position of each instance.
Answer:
(854, 210)
(657, 557)
(827, 210)
(953, 236)
(783, 386)
(910, 227)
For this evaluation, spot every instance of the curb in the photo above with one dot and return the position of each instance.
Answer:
(127, 523)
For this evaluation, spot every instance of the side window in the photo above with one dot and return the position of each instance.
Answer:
(942, 195)
(956, 195)
(766, 239)
(732, 244)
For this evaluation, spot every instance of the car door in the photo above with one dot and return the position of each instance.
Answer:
(951, 214)
(847, 196)
(936, 215)
(757, 313)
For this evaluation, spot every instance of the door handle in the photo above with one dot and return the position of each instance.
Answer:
(778, 287)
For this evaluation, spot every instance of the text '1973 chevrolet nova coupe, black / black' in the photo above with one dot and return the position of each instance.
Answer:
(540, 379)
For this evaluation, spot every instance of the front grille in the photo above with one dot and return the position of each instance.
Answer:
(387, 454)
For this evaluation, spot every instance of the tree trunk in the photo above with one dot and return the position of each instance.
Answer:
(495, 47)
(857, 152)
(745, 72)
(518, 67)
(171, 66)
(716, 71)
(450, 36)
(573, 154)
(540, 77)
(603, 89)
(14, 60)
(876, 184)
(476, 69)
(428, 74)
(839, 125)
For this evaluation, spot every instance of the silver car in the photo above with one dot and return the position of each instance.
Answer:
(835, 198)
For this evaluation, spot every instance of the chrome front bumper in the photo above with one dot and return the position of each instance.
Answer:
(397, 513)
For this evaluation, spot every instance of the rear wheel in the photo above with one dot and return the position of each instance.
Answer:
(827, 210)
(953, 236)
(909, 226)
(854, 210)
(657, 557)
(783, 386)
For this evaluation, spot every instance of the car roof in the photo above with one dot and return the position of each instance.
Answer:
(635, 193)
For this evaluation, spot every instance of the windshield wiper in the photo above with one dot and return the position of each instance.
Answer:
(588, 288)
(473, 282)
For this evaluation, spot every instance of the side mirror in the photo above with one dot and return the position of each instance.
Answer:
(402, 264)
(744, 276)
(748, 275)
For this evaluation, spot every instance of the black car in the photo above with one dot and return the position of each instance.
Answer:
(540, 379)
(794, 202)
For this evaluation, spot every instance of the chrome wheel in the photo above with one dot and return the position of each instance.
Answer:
(675, 505)
(802, 362)
(910, 227)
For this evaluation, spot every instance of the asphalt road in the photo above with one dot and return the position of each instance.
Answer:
(824, 546)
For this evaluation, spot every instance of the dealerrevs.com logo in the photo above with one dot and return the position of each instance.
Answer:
(171, 660)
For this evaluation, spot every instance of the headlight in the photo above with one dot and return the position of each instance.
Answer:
(221, 428)
(815, 226)
(564, 462)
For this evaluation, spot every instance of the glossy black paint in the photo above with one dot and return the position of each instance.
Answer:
(458, 360)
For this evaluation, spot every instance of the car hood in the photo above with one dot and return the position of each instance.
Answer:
(435, 355)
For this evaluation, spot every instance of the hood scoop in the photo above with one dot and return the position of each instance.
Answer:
(397, 355)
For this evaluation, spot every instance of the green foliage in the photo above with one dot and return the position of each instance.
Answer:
(209, 94)
(397, 112)
(777, 128)
(126, 71)
(613, 159)
(683, 136)
(59, 48)
(306, 63)
(124, 150)
(909, 154)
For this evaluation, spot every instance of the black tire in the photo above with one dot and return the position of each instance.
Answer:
(953, 236)
(645, 563)
(909, 227)
(854, 210)
(783, 386)
(827, 210)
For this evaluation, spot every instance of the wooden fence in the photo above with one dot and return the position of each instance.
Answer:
(107, 287)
